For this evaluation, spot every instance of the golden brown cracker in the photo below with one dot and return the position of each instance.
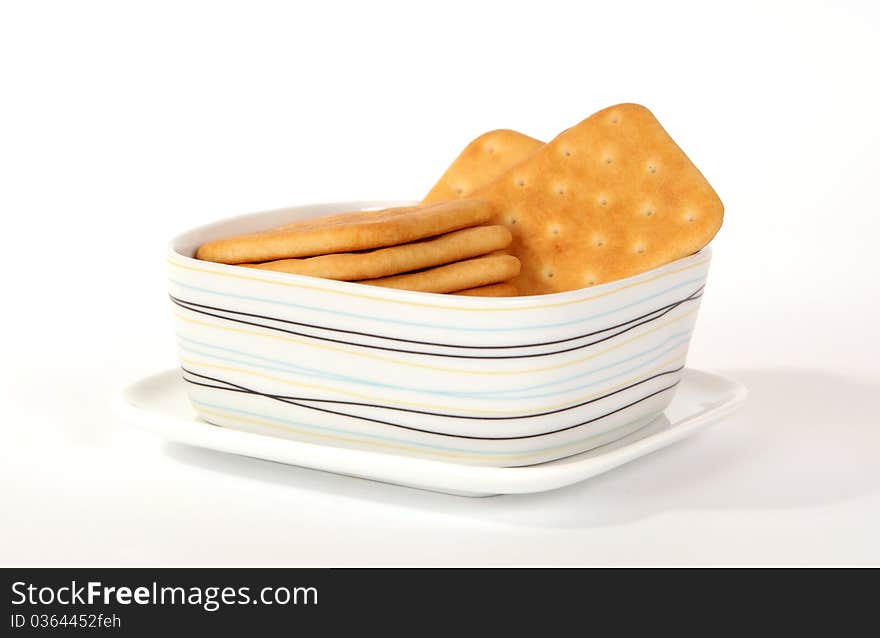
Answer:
(470, 273)
(505, 289)
(608, 198)
(444, 249)
(481, 161)
(346, 232)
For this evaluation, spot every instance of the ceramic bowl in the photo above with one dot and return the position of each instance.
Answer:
(485, 381)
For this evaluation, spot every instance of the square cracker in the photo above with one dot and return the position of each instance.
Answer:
(347, 232)
(504, 289)
(395, 260)
(608, 198)
(461, 275)
(484, 159)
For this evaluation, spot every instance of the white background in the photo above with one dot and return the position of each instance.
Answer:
(123, 123)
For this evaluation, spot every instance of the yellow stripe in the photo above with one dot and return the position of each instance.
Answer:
(333, 391)
(558, 304)
(365, 355)
(391, 446)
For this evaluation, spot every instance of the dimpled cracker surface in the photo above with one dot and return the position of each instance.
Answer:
(481, 161)
(443, 249)
(346, 232)
(611, 197)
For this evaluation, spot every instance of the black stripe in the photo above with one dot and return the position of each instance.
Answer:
(241, 388)
(193, 307)
(693, 295)
(295, 401)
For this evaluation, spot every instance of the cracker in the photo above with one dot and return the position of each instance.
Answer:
(505, 289)
(608, 198)
(461, 275)
(346, 232)
(448, 248)
(481, 161)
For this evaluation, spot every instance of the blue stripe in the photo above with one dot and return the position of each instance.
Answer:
(456, 328)
(281, 366)
(636, 368)
(375, 437)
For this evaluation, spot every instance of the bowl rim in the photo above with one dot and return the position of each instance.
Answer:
(412, 297)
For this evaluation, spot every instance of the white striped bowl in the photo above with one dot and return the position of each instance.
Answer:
(483, 381)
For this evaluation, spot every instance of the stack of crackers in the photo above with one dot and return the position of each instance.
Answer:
(446, 247)
(609, 198)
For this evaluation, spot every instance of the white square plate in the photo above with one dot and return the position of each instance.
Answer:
(159, 403)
